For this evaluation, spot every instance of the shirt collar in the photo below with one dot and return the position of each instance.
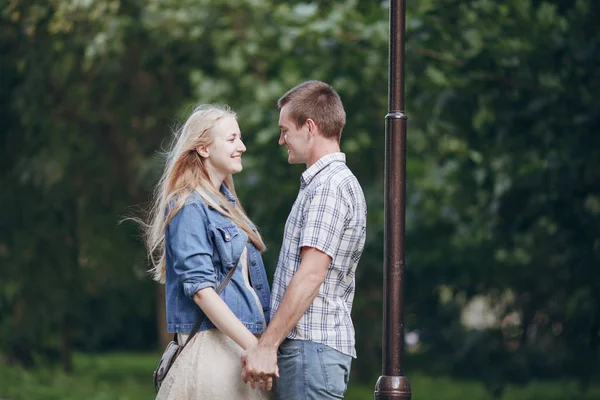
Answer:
(317, 167)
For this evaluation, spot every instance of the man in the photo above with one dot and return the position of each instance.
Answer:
(310, 341)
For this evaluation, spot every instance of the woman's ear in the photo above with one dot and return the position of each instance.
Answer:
(202, 151)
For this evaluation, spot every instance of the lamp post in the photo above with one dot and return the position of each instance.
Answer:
(393, 385)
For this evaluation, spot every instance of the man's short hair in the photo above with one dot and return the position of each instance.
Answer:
(318, 101)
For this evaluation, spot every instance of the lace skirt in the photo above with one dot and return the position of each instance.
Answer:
(208, 368)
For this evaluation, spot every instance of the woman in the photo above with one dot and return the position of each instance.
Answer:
(197, 233)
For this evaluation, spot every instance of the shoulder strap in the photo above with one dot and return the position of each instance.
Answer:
(220, 288)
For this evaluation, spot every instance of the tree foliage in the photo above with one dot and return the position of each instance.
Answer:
(503, 182)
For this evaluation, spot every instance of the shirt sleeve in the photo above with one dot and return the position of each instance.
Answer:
(324, 220)
(191, 248)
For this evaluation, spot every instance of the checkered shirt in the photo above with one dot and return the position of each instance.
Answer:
(330, 214)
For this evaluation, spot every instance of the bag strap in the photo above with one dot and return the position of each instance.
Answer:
(220, 288)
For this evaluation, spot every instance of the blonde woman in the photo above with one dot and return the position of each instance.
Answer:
(197, 231)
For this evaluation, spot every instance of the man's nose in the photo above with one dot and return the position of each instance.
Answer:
(281, 140)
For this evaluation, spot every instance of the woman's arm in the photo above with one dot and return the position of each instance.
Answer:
(188, 237)
(224, 319)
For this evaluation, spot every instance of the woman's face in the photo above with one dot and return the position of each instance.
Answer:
(224, 154)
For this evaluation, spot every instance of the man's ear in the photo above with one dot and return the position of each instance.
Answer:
(312, 127)
(202, 151)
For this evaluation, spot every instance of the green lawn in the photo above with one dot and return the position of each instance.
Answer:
(127, 376)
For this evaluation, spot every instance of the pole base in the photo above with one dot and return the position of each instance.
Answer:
(392, 388)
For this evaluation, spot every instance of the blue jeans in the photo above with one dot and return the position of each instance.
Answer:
(309, 370)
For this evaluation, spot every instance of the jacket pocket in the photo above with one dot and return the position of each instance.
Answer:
(229, 243)
(228, 233)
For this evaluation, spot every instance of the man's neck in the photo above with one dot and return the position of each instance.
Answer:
(322, 148)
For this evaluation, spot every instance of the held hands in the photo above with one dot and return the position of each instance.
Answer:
(259, 365)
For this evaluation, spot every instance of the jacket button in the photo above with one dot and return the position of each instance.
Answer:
(258, 287)
(227, 237)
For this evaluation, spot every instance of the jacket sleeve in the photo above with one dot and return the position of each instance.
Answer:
(187, 237)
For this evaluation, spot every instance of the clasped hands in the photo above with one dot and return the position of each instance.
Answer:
(259, 366)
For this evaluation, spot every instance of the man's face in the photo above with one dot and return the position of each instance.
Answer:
(295, 139)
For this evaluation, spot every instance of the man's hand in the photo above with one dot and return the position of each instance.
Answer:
(259, 365)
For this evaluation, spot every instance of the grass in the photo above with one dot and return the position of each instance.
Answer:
(442, 388)
(128, 376)
(116, 376)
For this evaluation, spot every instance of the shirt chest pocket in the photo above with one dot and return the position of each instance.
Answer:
(230, 242)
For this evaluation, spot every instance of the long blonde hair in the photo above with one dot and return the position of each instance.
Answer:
(184, 172)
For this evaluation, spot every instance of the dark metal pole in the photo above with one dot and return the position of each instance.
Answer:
(393, 384)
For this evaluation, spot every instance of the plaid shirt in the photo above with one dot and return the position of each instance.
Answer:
(330, 214)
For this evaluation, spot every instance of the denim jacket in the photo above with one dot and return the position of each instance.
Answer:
(201, 247)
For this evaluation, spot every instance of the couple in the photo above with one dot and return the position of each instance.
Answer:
(299, 343)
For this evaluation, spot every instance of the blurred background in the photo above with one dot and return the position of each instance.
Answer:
(503, 213)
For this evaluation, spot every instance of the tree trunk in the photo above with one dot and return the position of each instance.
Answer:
(164, 337)
(68, 216)
(66, 353)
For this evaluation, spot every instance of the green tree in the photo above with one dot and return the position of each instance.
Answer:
(502, 178)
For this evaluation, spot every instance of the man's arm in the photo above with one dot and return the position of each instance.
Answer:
(262, 358)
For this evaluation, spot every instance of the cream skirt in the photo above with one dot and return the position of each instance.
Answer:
(208, 368)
